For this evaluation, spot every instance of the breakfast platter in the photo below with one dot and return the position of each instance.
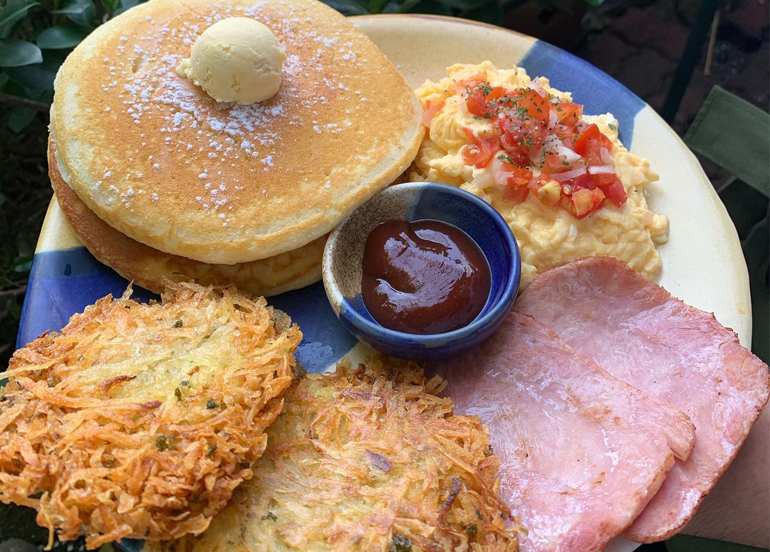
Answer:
(180, 176)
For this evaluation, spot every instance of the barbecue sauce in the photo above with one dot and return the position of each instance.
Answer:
(423, 277)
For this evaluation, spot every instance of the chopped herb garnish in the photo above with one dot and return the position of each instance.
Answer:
(489, 451)
(163, 442)
(400, 543)
(178, 394)
(184, 383)
(485, 89)
(271, 516)
(471, 531)
(178, 324)
(211, 404)
(212, 448)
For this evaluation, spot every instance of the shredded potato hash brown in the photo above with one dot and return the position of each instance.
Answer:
(139, 420)
(366, 459)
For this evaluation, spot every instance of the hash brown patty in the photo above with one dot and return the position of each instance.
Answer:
(366, 459)
(139, 420)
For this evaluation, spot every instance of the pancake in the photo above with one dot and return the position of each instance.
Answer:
(152, 269)
(223, 183)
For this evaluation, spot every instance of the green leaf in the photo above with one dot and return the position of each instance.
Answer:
(489, 12)
(376, 6)
(22, 263)
(436, 7)
(80, 12)
(466, 5)
(74, 7)
(3, 80)
(406, 6)
(37, 80)
(19, 118)
(13, 12)
(111, 5)
(348, 7)
(15, 53)
(59, 37)
(127, 5)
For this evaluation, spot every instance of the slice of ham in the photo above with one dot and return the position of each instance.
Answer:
(581, 452)
(641, 334)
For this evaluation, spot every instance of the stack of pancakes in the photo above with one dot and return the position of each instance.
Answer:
(162, 183)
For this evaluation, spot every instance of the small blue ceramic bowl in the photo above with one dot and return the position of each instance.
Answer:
(343, 258)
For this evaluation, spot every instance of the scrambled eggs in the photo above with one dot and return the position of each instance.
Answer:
(548, 234)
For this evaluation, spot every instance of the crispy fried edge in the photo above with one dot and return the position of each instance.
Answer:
(95, 461)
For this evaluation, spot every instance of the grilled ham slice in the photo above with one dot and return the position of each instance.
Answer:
(581, 452)
(641, 334)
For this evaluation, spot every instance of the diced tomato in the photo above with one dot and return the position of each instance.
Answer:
(609, 184)
(481, 99)
(430, 109)
(583, 202)
(589, 145)
(567, 134)
(514, 149)
(476, 102)
(584, 181)
(520, 177)
(568, 113)
(554, 163)
(475, 90)
(521, 137)
(480, 150)
(581, 144)
(495, 93)
(604, 179)
(522, 118)
(536, 105)
(496, 98)
(462, 86)
(614, 190)
(512, 179)
(516, 195)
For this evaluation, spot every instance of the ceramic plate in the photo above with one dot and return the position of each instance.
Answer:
(702, 261)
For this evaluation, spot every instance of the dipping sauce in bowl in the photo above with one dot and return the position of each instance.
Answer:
(423, 277)
(423, 203)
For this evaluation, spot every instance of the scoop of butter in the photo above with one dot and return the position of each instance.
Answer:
(236, 60)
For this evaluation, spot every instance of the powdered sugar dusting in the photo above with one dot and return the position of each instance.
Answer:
(210, 139)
